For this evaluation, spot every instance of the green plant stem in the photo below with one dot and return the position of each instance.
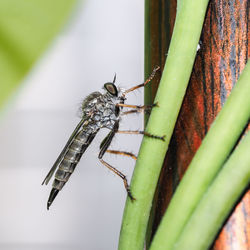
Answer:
(218, 201)
(186, 34)
(206, 163)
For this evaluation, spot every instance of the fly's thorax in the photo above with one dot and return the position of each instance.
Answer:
(100, 110)
(105, 114)
(90, 101)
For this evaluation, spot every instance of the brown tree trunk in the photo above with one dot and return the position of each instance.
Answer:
(224, 51)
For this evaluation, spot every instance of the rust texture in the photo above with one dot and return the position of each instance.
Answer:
(224, 51)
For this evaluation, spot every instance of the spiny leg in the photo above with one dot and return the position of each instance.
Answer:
(120, 174)
(133, 111)
(143, 84)
(103, 148)
(138, 132)
(138, 107)
(117, 152)
(144, 108)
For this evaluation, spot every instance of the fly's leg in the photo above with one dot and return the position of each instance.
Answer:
(138, 132)
(120, 174)
(143, 84)
(103, 149)
(137, 108)
(133, 111)
(121, 153)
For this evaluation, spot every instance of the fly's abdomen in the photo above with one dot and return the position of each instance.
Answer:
(71, 158)
(68, 164)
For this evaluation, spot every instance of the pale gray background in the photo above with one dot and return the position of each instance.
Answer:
(102, 37)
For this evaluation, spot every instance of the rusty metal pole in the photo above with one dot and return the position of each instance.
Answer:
(224, 51)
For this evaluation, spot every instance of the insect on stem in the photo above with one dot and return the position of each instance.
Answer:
(99, 110)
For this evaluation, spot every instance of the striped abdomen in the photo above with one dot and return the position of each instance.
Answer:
(70, 159)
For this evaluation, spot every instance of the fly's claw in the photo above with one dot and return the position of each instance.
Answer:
(163, 137)
(158, 137)
(152, 136)
(155, 104)
(130, 195)
(149, 107)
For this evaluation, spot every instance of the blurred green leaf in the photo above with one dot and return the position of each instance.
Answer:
(26, 28)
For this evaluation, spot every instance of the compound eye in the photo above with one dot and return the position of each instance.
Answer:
(111, 88)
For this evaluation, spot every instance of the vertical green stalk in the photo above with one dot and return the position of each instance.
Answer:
(218, 201)
(206, 163)
(182, 51)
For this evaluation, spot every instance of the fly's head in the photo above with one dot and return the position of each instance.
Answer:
(114, 92)
(111, 89)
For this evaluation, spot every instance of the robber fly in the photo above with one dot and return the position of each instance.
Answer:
(98, 111)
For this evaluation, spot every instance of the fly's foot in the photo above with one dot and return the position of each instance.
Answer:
(130, 194)
(127, 187)
(153, 136)
(155, 104)
(163, 138)
(138, 132)
(149, 107)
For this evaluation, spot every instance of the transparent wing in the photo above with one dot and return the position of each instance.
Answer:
(58, 160)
